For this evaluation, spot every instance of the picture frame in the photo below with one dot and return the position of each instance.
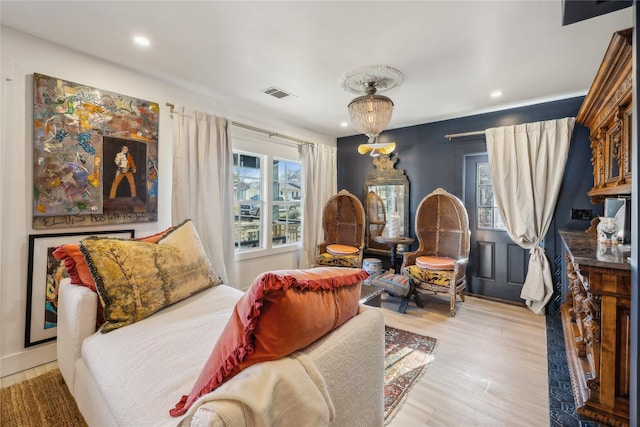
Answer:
(95, 156)
(44, 275)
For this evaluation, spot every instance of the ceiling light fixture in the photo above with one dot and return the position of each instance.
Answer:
(496, 94)
(141, 41)
(371, 113)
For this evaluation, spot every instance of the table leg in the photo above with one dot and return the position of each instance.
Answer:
(394, 249)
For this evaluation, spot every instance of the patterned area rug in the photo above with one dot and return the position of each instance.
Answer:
(405, 356)
(562, 407)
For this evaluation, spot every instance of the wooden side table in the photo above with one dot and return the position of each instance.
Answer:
(393, 242)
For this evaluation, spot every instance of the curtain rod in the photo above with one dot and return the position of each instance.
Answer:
(270, 134)
(449, 136)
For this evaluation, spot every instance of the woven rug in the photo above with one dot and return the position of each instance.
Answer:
(405, 356)
(39, 402)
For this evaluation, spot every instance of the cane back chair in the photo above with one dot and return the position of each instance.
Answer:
(439, 264)
(343, 222)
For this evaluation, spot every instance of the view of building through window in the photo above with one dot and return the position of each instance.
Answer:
(488, 216)
(254, 199)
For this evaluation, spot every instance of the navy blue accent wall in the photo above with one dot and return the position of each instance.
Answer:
(431, 161)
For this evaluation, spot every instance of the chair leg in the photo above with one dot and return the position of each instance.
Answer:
(416, 298)
(461, 292)
(452, 308)
(404, 302)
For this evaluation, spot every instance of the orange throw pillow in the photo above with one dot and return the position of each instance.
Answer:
(435, 262)
(310, 302)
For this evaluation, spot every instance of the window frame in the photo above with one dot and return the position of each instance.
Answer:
(252, 143)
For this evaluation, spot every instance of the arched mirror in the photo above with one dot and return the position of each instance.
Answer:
(386, 203)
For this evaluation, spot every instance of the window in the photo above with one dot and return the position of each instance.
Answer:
(287, 212)
(488, 216)
(267, 200)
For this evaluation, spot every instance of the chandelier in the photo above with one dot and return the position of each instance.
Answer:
(370, 113)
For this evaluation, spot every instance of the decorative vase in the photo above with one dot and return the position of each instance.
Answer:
(607, 231)
(394, 226)
(373, 266)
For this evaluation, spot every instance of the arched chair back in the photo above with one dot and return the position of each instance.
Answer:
(442, 228)
(343, 222)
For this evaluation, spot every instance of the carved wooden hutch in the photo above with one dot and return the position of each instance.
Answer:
(606, 111)
(596, 309)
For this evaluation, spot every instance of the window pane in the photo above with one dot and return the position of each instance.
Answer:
(287, 193)
(248, 201)
(487, 216)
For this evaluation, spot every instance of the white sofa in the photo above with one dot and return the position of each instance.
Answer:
(134, 375)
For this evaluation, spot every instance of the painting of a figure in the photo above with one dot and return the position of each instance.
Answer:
(74, 128)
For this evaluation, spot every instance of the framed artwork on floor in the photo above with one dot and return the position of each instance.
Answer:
(44, 276)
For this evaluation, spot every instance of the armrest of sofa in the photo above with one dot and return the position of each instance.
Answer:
(77, 308)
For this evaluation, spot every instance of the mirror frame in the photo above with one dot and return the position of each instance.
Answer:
(386, 174)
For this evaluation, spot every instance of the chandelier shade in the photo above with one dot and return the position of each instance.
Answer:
(371, 113)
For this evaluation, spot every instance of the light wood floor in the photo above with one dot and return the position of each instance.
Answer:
(489, 369)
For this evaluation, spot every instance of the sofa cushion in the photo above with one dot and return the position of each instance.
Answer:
(135, 279)
(282, 312)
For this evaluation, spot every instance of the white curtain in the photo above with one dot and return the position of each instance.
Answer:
(320, 183)
(527, 163)
(203, 184)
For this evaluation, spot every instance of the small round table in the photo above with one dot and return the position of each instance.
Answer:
(393, 242)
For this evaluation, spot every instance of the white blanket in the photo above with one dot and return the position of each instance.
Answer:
(266, 394)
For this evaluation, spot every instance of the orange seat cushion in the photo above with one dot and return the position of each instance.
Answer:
(435, 262)
(310, 302)
(341, 249)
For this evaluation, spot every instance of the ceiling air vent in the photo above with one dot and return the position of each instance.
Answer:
(277, 92)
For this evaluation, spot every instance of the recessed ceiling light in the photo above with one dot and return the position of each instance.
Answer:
(141, 41)
(344, 124)
(496, 94)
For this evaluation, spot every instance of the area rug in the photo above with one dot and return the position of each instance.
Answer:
(39, 402)
(405, 356)
(562, 407)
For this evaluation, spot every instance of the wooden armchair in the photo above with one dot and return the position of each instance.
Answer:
(343, 222)
(440, 262)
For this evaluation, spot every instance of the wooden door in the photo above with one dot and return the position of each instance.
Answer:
(497, 265)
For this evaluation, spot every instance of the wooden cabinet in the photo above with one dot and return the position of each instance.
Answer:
(606, 111)
(596, 321)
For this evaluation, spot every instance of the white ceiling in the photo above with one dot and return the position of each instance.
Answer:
(452, 53)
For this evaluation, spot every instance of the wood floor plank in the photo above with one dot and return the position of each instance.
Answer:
(489, 366)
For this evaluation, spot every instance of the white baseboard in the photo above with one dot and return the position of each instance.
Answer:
(27, 359)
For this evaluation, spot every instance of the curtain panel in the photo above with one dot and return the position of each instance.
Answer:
(203, 184)
(320, 183)
(527, 164)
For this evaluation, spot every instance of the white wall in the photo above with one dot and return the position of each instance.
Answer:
(24, 55)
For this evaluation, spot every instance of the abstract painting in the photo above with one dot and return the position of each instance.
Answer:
(95, 156)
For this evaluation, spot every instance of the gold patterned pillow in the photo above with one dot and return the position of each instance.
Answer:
(135, 279)
(435, 277)
(327, 259)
